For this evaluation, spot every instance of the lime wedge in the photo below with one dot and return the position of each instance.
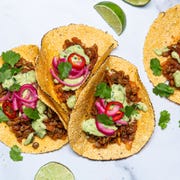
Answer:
(137, 2)
(112, 14)
(54, 171)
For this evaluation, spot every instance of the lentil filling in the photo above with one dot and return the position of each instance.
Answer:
(171, 65)
(124, 133)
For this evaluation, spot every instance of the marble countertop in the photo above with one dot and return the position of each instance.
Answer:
(25, 22)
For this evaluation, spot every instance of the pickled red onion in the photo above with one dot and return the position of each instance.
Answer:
(99, 107)
(121, 121)
(68, 84)
(5, 97)
(105, 131)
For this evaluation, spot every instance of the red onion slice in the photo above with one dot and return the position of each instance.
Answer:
(68, 84)
(113, 111)
(121, 122)
(99, 107)
(105, 131)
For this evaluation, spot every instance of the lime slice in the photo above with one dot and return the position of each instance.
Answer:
(54, 171)
(137, 2)
(112, 14)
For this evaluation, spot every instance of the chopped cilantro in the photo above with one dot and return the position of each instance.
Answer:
(130, 110)
(103, 90)
(3, 117)
(179, 123)
(104, 119)
(164, 119)
(163, 90)
(5, 75)
(10, 57)
(64, 68)
(156, 67)
(15, 153)
(31, 113)
(14, 87)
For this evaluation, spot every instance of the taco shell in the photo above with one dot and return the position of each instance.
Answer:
(30, 53)
(164, 31)
(51, 46)
(77, 137)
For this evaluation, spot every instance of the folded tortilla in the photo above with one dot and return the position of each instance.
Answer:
(164, 31)
(30, 53)
(51, 46)
(145, 126)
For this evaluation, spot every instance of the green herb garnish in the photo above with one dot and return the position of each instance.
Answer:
(163, 90)
(7, 74)
(11, 57)
(3, 117)
(164, 119)
(64, 68)
(104, 119)
(14, 87)
(156, 66)
(130, 110)
(32, 113)
(15, 153)
(103, 90)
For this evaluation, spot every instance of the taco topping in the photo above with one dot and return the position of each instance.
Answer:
(26, 115)
(115, 111)
(71, 69)
(171, 67)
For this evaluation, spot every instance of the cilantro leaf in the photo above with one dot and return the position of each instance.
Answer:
(15, 153)
(156, 67)
(14, 87)
(103, 90)
(179, 123)
(64, 68)
(10, 57)
(130, 110)
(4, 67)
(3, 117)
(163, 90)
(31, 113)
(104, 119)
(5, 75)
(164, 119)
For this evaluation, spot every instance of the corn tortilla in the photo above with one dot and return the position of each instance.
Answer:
(30, 53)
(164, 31)
(77, 137)
(51, 46)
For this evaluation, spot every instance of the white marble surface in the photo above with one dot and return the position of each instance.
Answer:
(25, 22)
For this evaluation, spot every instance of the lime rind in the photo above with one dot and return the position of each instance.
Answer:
(112, 14)
(54, 171)
(137, 3)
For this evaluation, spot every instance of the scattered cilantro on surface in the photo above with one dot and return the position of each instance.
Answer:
(14, 87)
(164, 119)
(10, 57)
(163, 90)
(104, 119)
(3, 117)
(64, 68)
(31, 113)
(103, 90)
(15, 153)
(156, 67)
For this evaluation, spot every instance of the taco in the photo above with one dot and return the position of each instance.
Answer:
(113, 117)
(28, 117)
(69, 56)
(162, 54)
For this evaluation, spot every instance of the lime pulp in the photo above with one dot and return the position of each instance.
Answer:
(112, 14)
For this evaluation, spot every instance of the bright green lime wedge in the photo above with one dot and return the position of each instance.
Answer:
(137, 2)
(54, 171)
(112, 14)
